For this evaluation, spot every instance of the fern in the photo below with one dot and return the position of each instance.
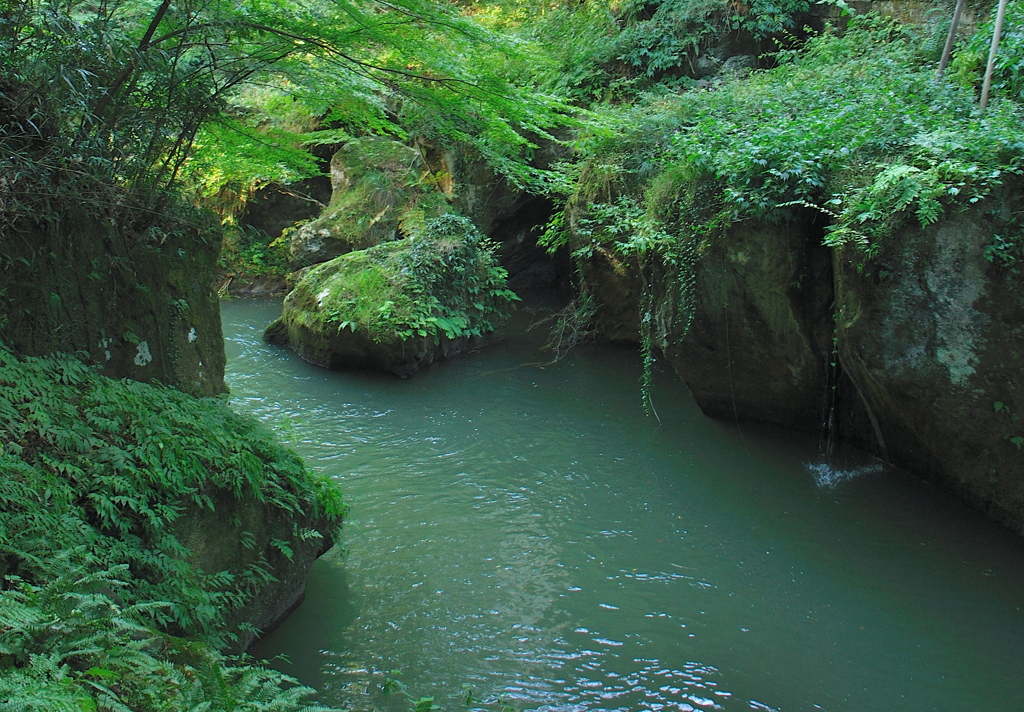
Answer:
(93, 473)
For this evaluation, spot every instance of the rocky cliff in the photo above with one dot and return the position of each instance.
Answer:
(915, 354)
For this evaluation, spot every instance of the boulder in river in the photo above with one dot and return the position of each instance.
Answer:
(400, 305)
(380, 190)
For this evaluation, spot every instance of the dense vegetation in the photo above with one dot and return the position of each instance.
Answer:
(98, 477)
(851, 129)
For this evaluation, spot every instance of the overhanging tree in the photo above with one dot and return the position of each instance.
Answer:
(113, 93)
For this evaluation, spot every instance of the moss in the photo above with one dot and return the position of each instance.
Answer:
(139, 306)
(395, 303)
(129, 470)
(381, 190)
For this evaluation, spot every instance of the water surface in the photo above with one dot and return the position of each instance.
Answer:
(530, 533)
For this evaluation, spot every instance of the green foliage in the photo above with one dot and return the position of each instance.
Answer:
(668, 34)
(68, 644)
(107, 108)
(618, 49)
(442, 281)
(854, 126)
(105, 468)
(227, 155)
(95, 473)
(968, 65)
(248, 252)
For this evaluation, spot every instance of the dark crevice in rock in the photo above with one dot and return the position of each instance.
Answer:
(531, 268)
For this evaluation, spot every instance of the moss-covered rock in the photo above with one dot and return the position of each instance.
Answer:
(757, 340)
(208, 514)
(141, 305)
(380, 190)
(400, 305)
(930, 331)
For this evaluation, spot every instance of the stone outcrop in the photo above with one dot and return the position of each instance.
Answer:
(237, 535)
(931, 332)
(757, 344)
(380, 190)
(916, 354)
(398, 306)
(385, 190)
(141, 306)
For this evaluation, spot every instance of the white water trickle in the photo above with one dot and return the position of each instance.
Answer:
(828, 477)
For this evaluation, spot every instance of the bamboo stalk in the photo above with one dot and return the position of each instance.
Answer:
(996, 33)
(948, 49)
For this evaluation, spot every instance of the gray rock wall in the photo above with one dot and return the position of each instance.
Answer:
(918, 353)
(141, 307)
(932, 334)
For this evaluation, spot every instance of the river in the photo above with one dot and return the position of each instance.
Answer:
(527, 534)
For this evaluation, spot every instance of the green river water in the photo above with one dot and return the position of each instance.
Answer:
(528, 532)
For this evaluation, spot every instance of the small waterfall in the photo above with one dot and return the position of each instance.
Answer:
(828, 434)
(828, 476)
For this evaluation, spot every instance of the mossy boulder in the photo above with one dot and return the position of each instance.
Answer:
(931, 332)
(380, 190)
(198, 506)
(137, 302)
(400, 305)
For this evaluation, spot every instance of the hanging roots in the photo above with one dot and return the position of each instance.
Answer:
(570, 327)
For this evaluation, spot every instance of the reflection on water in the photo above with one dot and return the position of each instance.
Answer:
(528, 533)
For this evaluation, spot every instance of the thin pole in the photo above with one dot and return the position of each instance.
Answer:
(952, 35)
(996, 33)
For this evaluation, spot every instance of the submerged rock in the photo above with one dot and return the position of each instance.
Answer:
(400, 305)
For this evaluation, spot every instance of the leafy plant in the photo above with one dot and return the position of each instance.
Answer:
(95, 475)
(105, 468)
(968, 65)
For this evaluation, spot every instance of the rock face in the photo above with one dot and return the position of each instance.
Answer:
(140, 306)
(916, 354)
(400, 305)
(380, 190)
(932, 334)
(758, 346)
(237, 536)
(747, 326)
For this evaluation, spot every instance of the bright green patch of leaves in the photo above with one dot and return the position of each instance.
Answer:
(94, 473)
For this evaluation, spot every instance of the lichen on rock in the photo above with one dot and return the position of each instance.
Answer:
(400, 305)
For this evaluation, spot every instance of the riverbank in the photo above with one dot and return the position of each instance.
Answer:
(145, 534)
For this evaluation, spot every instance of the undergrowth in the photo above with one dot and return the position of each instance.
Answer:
(854, 125)
(96, 586)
